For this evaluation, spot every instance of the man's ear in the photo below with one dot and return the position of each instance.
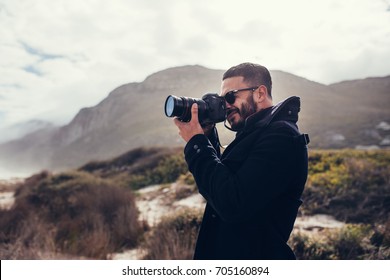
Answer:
(261, 94)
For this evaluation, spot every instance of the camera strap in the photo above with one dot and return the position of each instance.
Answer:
(225, 125)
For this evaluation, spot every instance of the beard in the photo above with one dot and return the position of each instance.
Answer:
(247, 109)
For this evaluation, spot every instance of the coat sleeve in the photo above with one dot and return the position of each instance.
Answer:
(243, 192)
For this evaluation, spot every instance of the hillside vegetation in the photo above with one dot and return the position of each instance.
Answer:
(353, 186)
(141, 167)
(91, 212)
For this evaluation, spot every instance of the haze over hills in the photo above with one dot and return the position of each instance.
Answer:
(341, 115)
(19, 130)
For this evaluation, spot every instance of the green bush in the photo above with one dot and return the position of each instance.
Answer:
(353, 186)
(187, 178)
(142, 167)
(167, 170)
(351, 242)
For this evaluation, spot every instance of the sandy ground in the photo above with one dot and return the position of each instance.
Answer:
(7, 199)
(155, 202)
(317, 222)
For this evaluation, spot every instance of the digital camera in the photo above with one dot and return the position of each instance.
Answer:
(211, 108)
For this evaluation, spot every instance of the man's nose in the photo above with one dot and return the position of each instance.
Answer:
(228, 105)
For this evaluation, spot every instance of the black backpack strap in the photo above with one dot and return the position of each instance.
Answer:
(302, 139)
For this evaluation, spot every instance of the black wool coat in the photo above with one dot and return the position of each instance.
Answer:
(253, 190)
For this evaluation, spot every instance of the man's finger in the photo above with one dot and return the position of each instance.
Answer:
(194, 112)
(177, 122)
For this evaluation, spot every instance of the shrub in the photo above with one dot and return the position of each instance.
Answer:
(353, 186)
(187, 178)
(352, 242)
(307, 247)
(29, 238)
(167, 170)
(142, 167)
(174, 237)
(86, 215)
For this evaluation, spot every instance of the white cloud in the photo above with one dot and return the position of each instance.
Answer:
(59, 56)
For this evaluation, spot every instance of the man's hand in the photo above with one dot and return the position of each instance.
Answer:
(187, 130)
(208, 128)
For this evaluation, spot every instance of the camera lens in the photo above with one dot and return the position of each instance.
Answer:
(179, 107)
(169, 106)
(174, 106)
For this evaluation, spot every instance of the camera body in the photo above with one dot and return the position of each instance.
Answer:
(211, 108)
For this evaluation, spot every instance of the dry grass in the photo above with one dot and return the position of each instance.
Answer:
(70, 213)
(174, 237)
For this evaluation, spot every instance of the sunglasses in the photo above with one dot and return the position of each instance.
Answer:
(230, 96)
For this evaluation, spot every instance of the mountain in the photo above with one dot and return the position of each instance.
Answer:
(340, 115)
(19, 130)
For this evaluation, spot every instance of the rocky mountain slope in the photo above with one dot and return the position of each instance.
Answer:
(340, 115)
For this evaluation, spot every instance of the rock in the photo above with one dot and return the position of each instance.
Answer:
(385, 141)
(383, 126)
(367, 148)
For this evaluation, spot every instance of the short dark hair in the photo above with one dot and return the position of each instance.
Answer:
(253, 74)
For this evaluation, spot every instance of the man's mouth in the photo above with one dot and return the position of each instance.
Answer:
(231, 112)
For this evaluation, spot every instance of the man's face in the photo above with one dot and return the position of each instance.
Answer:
(243, 105)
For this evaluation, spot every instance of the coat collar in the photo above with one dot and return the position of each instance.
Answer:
(286, 110)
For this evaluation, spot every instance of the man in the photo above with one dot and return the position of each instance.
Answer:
(253, 190)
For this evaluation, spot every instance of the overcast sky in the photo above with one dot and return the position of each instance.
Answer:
(60, 55)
